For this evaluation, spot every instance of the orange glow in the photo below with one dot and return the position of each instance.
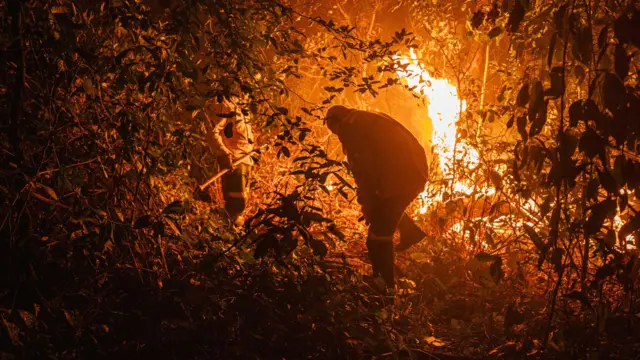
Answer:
(330, 186)
(629, 240)
(445, 108)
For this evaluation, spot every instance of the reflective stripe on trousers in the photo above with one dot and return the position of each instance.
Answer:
(373, 237)
(236, 194)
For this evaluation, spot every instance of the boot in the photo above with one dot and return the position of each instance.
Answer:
(410, 233)
(381, 256)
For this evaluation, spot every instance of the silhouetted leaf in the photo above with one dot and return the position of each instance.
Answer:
(584, 45)
(523, 95)
(522, 128)
(613, 92)
(568, 145)
(282, 110)
(599, 213)
(333, 229)
(590, 110)
(618, 170)
(622, 28)
(319, 247)
(578, 72)
(286, 152)
(536, 95)
(623, 202)
(602, 38)
(158, 227)
(493, 14)
(558, 18)
(142, 222)
(510, 122)
(591, 143)
(557, 82)
(314, 216)
(545, 207)
(575, 113)
(175, 207)
(591, 190)
(477, 19)
(533, 235)
(608, 182)
(288, 243)
(516, 16)
(494, 32)
(302, 135)
(540, 119)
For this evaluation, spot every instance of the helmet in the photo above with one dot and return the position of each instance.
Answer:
(335, 115)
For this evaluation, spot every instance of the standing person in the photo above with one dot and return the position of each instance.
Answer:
(230, 137)
(390, 168)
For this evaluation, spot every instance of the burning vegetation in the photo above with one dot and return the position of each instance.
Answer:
(125, 233)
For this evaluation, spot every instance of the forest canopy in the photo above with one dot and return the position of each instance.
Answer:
(528, 112)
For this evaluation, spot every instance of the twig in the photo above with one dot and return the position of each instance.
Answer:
(67, 167)
(49, 201)
(164, 259)
(554, 295)
(484, 86)
(135, 261)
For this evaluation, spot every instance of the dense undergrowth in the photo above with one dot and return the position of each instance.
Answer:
(108, 250)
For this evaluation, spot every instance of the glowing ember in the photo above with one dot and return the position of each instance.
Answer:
(330, 186)
(629, 240)
(445, 108)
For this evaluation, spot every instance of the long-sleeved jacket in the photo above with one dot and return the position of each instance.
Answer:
(228, 136)
(386, 159)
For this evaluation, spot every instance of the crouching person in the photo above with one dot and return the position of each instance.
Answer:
(230, 138)
(390, 169)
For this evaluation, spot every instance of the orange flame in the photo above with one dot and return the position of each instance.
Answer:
(445, 108)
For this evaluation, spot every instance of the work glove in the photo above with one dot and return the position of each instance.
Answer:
(410, 233)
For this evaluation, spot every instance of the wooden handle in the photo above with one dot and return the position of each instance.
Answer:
(222, 172)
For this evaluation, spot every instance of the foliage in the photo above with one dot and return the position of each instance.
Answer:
(107, 250)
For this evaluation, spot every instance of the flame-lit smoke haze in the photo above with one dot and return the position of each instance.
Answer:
(445, 108)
